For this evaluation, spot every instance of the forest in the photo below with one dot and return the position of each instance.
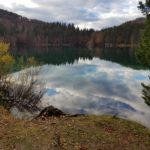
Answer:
(126, 35)
(18, 31)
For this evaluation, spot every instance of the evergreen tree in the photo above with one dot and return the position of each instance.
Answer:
(143, 52)
(146, 93)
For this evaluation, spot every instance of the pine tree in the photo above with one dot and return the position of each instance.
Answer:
(146, 93)
(143, 52)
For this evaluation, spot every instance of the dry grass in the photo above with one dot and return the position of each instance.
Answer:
(72, 133)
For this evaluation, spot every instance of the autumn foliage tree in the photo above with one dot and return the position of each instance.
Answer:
(6, 60)
(18, 90)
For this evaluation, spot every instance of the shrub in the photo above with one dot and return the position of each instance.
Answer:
(21, 89)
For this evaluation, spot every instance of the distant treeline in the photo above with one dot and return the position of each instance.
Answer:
(18, 30)
(125, 35)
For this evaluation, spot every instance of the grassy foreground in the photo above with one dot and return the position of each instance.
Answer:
(72, 133)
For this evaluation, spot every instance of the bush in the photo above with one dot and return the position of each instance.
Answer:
(21, 89)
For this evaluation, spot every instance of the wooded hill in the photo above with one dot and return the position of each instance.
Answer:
(18, 30)
(125, 35)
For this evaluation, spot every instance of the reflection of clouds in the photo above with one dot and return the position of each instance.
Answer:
(50, 92)
(96, 87)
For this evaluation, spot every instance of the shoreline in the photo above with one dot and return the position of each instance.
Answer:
(78, 132)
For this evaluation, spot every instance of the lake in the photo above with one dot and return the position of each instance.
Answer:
(99, 81)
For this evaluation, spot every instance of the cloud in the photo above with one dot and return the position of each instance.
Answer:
(83, 13)
(96, 87)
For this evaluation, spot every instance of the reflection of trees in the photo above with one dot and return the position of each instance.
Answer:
(122, 56)
(56, 55)
(61, 55)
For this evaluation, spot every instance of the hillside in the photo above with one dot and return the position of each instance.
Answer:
(72, 133)
(125, 35)
(19, 30)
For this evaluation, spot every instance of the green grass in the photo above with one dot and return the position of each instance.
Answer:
(72, 133)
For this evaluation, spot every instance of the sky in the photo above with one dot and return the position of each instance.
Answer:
(96, 14)
(96, 87)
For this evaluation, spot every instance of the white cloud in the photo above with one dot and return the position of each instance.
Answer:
(12, 3)
(83, 13)
(97, 87)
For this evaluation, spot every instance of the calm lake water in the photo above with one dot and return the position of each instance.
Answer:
(95, 82)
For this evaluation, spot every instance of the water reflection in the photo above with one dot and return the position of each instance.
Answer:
(96, 87)
(61, 55)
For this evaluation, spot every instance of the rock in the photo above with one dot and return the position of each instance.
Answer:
(24, 114)
(28, 115)
(50, 111)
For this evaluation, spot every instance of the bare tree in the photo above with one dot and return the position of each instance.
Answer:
(22, 90)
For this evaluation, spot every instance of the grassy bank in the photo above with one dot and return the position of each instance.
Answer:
(72, 133)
